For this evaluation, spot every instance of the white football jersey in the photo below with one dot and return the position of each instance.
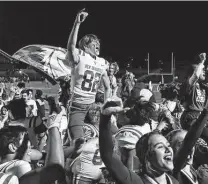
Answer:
(89, 162)
(86, 76)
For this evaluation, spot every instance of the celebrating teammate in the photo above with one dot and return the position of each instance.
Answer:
(87, 71)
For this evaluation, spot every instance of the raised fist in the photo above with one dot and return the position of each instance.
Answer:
(202, 57)
(112, 106)
(81, 16)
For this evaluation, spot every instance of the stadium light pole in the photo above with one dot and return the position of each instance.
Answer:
(148, 63)
(172, 66)
(162, 79)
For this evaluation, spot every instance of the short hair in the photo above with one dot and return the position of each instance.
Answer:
(21, 85)
(39, 93)
(140, 111)
(86, 40)
(24, 91)
(18, 108)
(29, 90)
(8, 135)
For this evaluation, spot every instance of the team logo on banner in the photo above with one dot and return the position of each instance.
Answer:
(47, 59)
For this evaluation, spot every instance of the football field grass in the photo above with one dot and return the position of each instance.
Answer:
(47, 88)
(50, 90)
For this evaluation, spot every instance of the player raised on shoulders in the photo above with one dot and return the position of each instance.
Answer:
(88, 70)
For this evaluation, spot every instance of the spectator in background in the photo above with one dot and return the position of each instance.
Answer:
(40, 113)
(119, 87)
(11, 94)
(140, 90)
(113, 69)
(128, 83)
(139, 122)
(20, 87)
(11, 139)
(183, 144)
(31, 104)
(19, 116)
(40, 103)
(172, 109)
(15, 150)
(3, 116)
(194, 92)
(3, 95)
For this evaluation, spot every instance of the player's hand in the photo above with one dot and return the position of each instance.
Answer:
(113, 105)
(202, 57)
(162, 126)
(81, 16)
(54, 120)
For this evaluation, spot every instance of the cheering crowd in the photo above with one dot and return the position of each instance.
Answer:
(103, 129)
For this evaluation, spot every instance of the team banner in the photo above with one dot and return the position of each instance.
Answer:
(46, 59)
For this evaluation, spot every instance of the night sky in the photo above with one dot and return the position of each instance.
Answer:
(126, 29)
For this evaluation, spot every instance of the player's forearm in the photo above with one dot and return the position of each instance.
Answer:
(55, 150)
(105, 139)
(72, 41)
(106, 86)
(199, 69)
(193, 79)
(196, 74)
(115, 91)
(106, 94)
(110, 159)
(190, 140)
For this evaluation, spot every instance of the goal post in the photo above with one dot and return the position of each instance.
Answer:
(162, 74)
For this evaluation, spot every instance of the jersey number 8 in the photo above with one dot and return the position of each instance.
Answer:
(88, 84)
